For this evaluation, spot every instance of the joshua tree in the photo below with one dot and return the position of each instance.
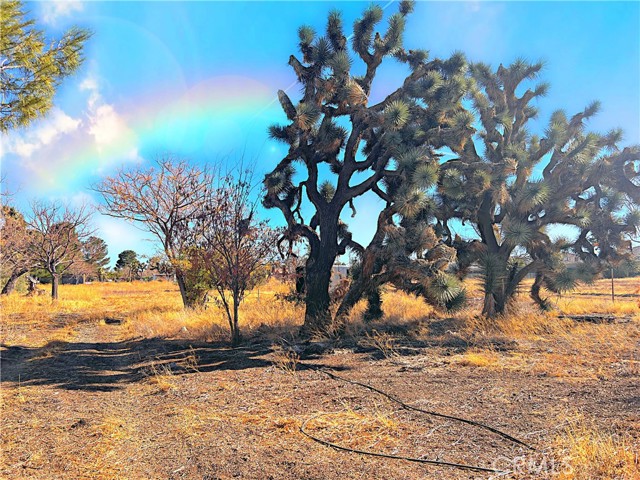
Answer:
(411, 257)
(512, 186)
(387, 148)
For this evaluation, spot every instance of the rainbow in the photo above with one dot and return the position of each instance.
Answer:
(214, 116)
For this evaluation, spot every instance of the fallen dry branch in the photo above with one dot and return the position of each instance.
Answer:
(597, 318)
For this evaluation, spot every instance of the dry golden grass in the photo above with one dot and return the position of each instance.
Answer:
(358, 430)
(478, 358)
(148, 309)
(587, 453)
(154, 309)
(384, 342)
(561, 347)
(548, 345)
(284, 359)
(400, 306)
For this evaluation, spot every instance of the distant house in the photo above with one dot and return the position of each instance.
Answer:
(292, 269)
(153, 274)
(570, 258)
(338, 274)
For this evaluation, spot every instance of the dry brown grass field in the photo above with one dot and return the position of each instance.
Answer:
(117, 381)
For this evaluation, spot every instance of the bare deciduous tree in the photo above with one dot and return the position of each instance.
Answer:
(165, 200)
(15, 259)
(56, 236)
(232, 248)
(240, 247)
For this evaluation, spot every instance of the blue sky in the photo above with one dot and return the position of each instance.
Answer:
(199, 79)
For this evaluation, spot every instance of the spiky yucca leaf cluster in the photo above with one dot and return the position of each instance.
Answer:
(453, 183)
(515, 232)
(410, 202)
(632, 218)
(563, 280)
(306, 115)
(425, 175)
(327, 190)
(340, 63)
(533, 194)
(445, 291)
(396, 114)
(279, 181)
(492, 271)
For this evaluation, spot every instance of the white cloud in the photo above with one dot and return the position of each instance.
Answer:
(134, 156)
(56, 152)
(91, 84)
(23, 149)
(106, 125)
(59, 124)
(52, 11)
(44, 133)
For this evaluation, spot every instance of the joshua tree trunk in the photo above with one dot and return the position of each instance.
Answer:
(353, 296)
(317, 318)
(501, 282)
(11, 282)
(535, 292)
(496, 268)
(494, 303)
(357, 291)
(374, 305)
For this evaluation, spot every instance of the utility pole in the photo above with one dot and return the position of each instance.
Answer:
(613, 292)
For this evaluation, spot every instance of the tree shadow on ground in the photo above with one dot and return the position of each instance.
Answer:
(410, 338)
(108, 366)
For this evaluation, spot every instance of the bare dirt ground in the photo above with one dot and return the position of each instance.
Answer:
(107, 406)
